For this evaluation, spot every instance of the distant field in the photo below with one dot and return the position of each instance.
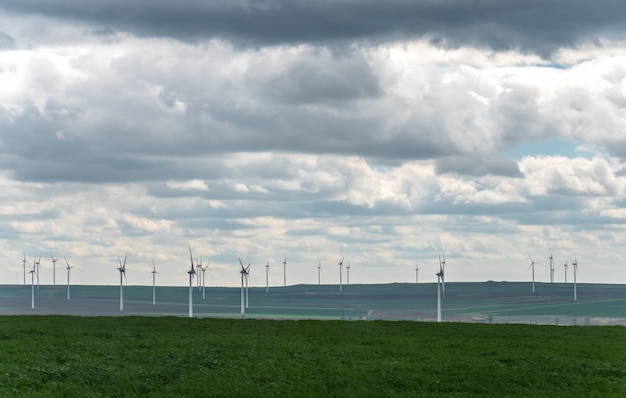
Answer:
(58, 356)
(487, 302)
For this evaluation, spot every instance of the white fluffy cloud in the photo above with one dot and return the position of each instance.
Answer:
(385, 146)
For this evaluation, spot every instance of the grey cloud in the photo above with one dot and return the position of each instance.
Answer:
(6, 41)
(316, 80)
(533, 25)
(494, 164)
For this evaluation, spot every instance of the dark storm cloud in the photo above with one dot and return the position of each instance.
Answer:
(532, 25)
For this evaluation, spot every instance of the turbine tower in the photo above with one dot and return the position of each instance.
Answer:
(348, 273)
(565, 266)
(285, 271)
(68, 268)
(244, 273)
(532, 265)
(440, 284)
(551, 268)
(267, 276)
(191, 273)
(575, 265)
(122, 269)
(319, 272)
(340, 273)
(154, 272)
(54, 271)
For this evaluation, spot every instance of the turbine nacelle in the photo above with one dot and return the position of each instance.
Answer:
(244, 270)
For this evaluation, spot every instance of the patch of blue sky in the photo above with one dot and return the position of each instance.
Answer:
(554, 65)
(552, 147)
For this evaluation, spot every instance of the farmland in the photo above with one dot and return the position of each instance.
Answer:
(156, 351)
(46, 356)
(487, 302)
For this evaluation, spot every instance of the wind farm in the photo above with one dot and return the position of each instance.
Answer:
(497, 302)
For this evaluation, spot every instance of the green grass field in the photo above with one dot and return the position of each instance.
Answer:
(58, 356)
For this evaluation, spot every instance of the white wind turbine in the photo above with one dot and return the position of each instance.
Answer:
(348, 273)
(191, 273)
(199, 268)
(68, 268)
(340, 273)
(244, 276)
(565, 266)
(32, 287)
(442, 267)
(203, 269)
(417, 269)
(532, 265)
(319, 272)
(24, 261)
(122, 269)
(551, 268)
(154, 272)
(54, 270)
(267, 276)
(575, 264)
(37, 264)
(440, 284)
(285, 271)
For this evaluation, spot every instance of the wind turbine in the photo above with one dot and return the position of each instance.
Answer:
(440, 284)
(37, 264)
(24, 261)
(417, 269)
(340, 273)
(442, 268)
(551, 268)
(319, 272)
(154, 272)
(68, 268)
(575, 264)
(244, 276)
(54, 271)
(565, 265)
(32, 287)
(348, 273)
(284, 271)
(122, 269)
(267, 276)
(532, 265)
(199, 268)
(191, 273)
(203, 269)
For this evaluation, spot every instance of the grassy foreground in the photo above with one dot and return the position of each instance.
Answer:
(139, 356)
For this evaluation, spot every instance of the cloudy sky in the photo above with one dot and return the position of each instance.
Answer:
(384, 132)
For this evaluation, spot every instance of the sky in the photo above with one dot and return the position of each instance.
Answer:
(385, 133)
